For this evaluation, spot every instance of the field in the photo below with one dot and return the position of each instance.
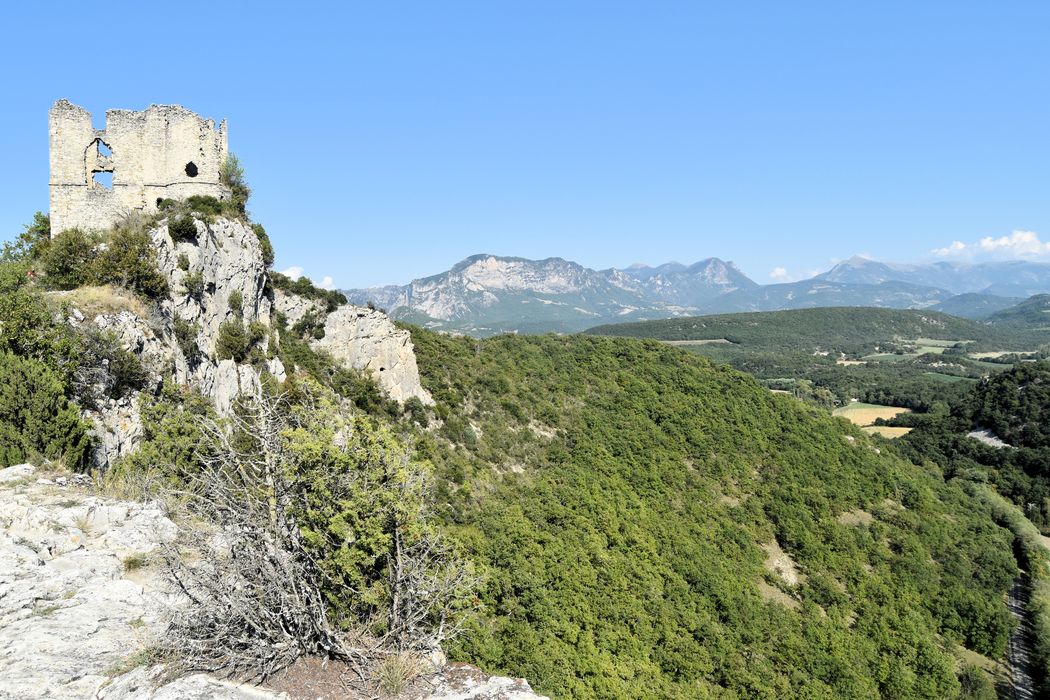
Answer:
(864, 414)
(885, 431)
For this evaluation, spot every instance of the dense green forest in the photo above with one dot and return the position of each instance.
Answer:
(1015, 406)
(850, 330)
(916, 359)
(619, 494)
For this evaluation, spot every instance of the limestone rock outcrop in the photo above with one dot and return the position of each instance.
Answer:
(363, 339)
(366, 340)
(219, 276)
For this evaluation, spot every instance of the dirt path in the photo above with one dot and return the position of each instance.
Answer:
(1019, 648)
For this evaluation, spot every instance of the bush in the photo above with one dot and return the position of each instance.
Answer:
(27, 327)
(236, 302)
(264, 244)
(104, 369)
(31, 243)
(184, 262)
(36, 419)
(348, 553)
(239, 343)
(129, 260)
(182, 228)
(193, 282)
(186, 337)
(231, 174)
(306, 289)
(173, 445)
(232, 343)
(976, 685)
(66, 262)
(206, 204)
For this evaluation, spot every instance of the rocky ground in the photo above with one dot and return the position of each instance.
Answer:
(82, 596)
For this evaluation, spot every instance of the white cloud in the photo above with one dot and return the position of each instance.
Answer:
(778, 273)
(326, 283)
(1019, 244)
(295, 272)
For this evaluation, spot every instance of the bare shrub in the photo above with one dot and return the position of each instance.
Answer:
(269, 581)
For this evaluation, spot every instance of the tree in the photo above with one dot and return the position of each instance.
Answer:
(326, 544)
(231, 174)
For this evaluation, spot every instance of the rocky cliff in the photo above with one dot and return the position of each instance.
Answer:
(217, 278)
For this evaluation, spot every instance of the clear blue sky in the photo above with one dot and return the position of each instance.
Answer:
(386, 141)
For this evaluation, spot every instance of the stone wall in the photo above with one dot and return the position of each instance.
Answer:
(163, 152)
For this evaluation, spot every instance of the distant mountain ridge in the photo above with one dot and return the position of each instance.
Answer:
(488, 294)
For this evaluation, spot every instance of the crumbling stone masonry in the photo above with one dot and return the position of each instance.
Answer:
(100, 176)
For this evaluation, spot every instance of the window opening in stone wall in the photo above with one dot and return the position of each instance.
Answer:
(103, 149)
(103, 180)
(191, 169)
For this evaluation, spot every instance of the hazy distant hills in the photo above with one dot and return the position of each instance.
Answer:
(489, 294)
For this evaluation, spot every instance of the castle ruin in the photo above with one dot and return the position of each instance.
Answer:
(100, 176)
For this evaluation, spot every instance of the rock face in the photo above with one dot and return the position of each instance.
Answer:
(366, 340)
(68, 610)
(363, 339)
(80, 601)
(178, 341)
(218, 277)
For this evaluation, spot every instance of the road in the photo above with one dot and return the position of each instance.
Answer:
(1019, 649)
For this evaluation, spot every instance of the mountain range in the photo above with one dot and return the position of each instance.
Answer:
(488, 294)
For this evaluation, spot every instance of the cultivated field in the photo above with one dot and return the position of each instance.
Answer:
(886, 431)
(865, 414)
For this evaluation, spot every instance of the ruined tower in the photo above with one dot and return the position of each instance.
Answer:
(140, 158)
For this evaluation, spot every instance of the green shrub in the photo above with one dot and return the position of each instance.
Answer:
(36, 419)
(182, 228)
(309, 326)
(206, 204)
(231, 174)
(167, 204)
(184, 262)
(416, 411)
(27, 327)
(976, 685)
(186, 337)
(130, 261)
(306, 289)
(264, 244)
(232, 343)
(240, 343)
(193, 282)
(173, 442)
(236, 302)
(105, 369)
(67, 261)
(31, 243)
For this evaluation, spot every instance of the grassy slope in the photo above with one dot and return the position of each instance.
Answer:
(624, 551)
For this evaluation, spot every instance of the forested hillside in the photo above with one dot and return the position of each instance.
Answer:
(851, 330)
(1015, 406)
(629, 503)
